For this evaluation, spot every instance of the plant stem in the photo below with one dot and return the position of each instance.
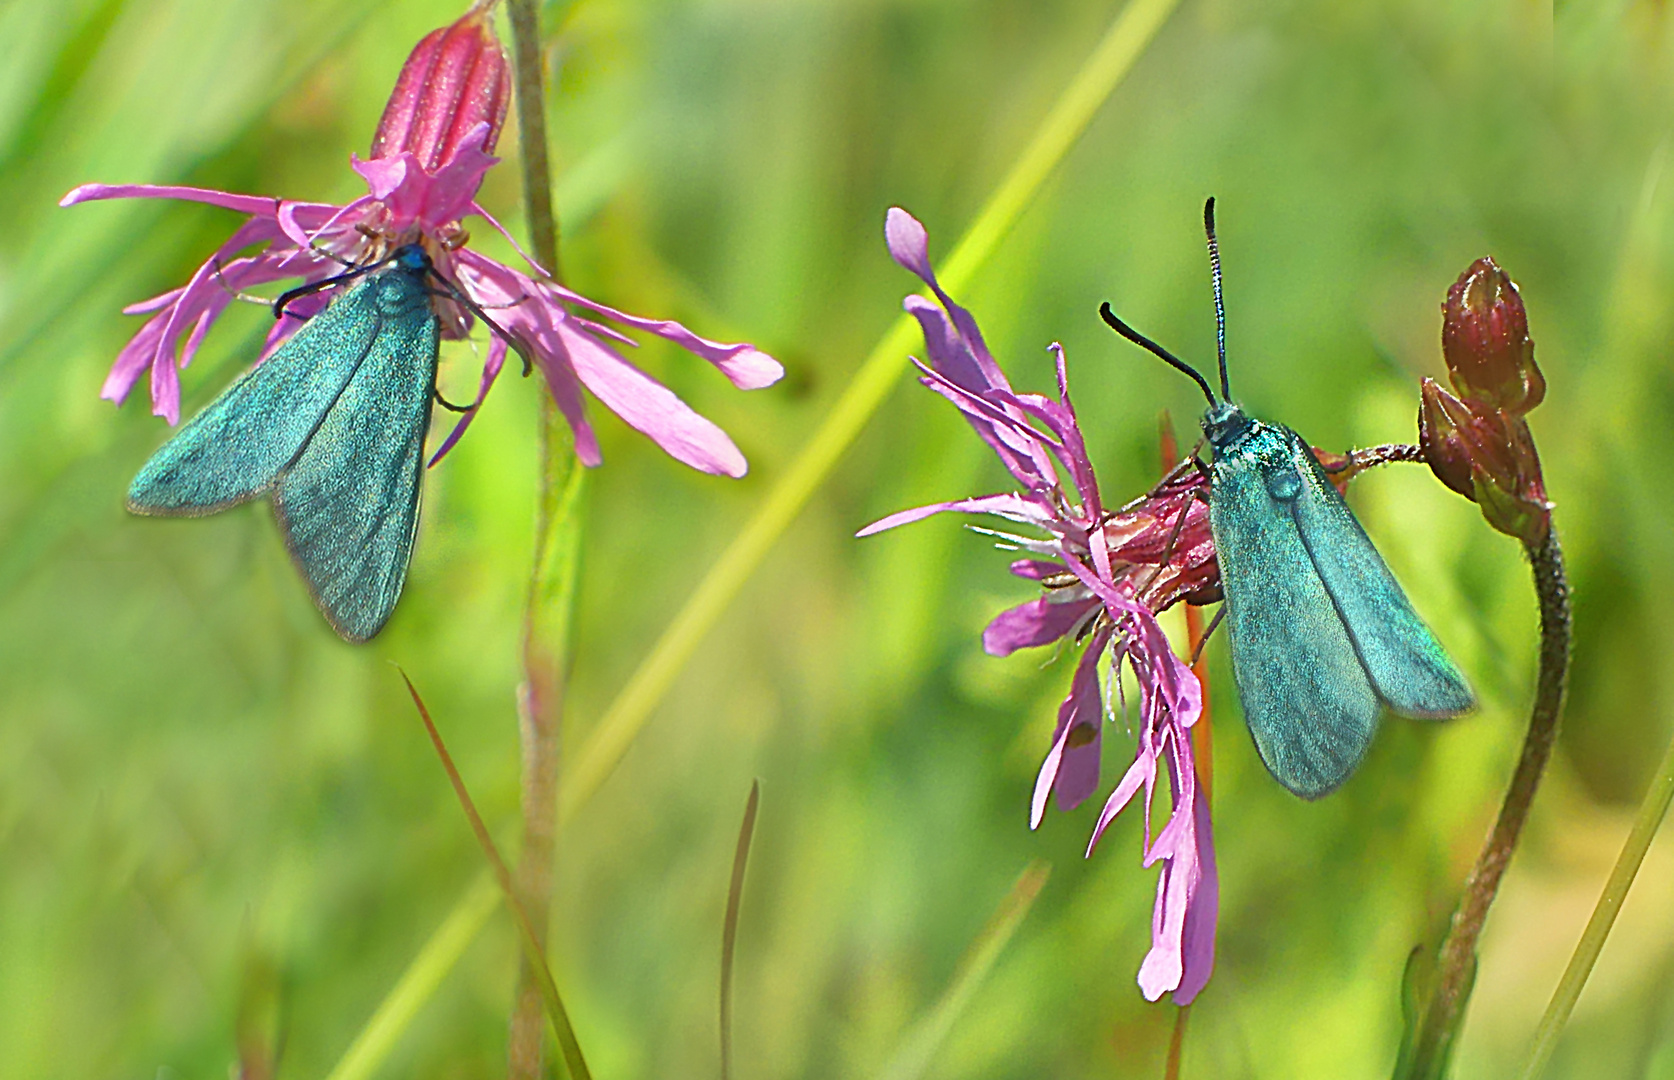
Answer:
(1456, 966)
(1645, 824)
(551, 578)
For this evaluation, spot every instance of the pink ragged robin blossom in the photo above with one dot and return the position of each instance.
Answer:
(432, 148)
(1105, 574)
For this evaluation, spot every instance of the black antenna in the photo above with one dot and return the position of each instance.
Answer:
(1220, 309)
(1157, 350)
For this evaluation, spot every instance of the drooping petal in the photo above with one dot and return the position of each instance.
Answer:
(1198, 934)
(650, 407)
(1041, 621)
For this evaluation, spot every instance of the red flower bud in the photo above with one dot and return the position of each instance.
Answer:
(455, 79)
(1440, 418)
(1485, 340)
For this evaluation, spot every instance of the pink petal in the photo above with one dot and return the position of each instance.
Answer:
(1039, 622)
(259, 205)
(650, 407)
(1035, 569)
(748, 367)
(1198, 935)
(1008, 505)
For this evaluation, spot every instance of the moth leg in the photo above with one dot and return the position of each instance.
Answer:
(1220, 613)
(1173, 536)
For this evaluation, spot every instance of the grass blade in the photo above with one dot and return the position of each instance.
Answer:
(729, 931)
(416, 985)
(1645, 824)
(925, 1039)
(549, 989)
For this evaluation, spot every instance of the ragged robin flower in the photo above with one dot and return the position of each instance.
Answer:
(431, 150)
(1105, 574)
(1479, 443)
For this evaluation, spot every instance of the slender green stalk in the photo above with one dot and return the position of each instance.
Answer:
(1426, 1057)
(729, 929)
(1650, 817)
(882, 371)
(916, 1053)
(1132, 31)
(532, 951)
(552, 577)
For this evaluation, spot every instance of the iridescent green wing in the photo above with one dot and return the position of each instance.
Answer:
(1407, 665)
(234, 449)
(1306, 696)
(348, 504)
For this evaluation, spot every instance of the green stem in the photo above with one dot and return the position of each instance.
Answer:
(1439, 1021)
(1651, 813)
(615, 732)
(551, 577)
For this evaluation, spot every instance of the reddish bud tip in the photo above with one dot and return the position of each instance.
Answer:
(1485, 340)
(455, 79)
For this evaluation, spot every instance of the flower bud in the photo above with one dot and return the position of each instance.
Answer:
(1440, 418)
(455, 79)
(1485, 340)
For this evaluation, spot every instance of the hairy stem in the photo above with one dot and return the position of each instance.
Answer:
(1439, 1020)
(551, 577)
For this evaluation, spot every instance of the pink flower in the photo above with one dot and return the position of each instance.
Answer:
(430, 154)
(1105, 575)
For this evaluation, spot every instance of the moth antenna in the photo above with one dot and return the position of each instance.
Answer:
(1215, 277)
(1156, 350)
(325, 283)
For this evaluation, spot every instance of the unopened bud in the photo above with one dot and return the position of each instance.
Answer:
(455, 79)
(1485, 340)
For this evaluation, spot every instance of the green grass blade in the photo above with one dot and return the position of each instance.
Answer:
(729, 929)
(416, 985)
(1645, 824)
(556, 1012)
(927, 1035)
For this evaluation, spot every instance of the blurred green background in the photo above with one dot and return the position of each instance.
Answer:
(209, 803)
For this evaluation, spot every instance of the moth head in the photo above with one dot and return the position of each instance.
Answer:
(1224, 424)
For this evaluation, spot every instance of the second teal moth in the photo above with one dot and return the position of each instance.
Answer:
(331, 427)
(1321, 633)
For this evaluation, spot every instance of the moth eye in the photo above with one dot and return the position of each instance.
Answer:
(1284, 484)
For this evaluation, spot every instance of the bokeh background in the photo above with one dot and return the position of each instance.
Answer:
(210, 807)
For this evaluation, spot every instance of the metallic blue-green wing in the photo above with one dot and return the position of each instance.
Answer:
(1407, 665)
(1307, 698)
(348, 504)
(233, 450)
